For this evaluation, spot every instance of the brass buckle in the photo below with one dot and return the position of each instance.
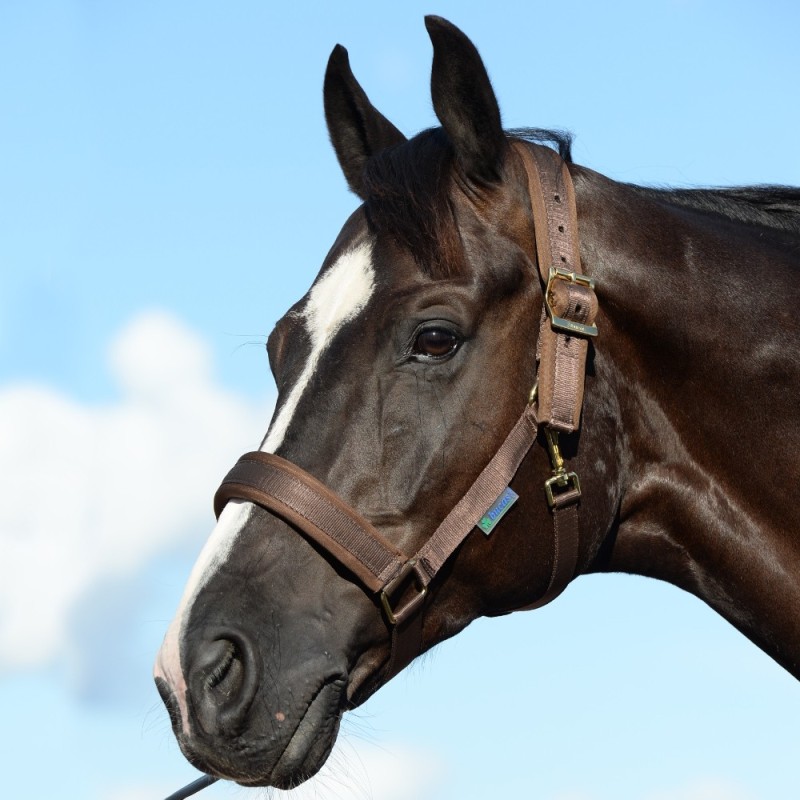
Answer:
(562, 323)
(396, 616)
(561, 479)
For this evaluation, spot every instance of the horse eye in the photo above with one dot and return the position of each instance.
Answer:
(435, 343)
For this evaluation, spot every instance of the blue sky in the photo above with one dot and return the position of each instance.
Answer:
(167, 192)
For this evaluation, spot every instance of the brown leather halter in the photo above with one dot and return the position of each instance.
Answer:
(400, 580)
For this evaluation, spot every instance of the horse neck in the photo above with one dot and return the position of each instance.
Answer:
(697, 361)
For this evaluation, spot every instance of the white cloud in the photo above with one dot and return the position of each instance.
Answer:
(92, 494)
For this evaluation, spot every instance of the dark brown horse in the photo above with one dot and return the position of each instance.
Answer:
(405, 366)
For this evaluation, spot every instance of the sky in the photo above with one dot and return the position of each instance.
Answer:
(167, 191)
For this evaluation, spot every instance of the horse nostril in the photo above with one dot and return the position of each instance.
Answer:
(224, 667)
(222, 683)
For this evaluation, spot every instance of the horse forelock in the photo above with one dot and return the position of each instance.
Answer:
(409, 199)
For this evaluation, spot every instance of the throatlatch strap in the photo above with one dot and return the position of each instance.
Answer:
(561, 353)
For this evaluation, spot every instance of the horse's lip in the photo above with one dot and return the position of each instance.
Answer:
(305, 752)
(313, 738)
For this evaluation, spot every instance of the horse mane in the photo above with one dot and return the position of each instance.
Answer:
(776, 207)
(408, 196)
(561, 140)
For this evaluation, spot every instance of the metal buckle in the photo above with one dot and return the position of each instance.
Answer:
(561, 478)
(562, 323)
(397, 616)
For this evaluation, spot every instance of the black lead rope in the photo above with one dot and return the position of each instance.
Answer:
(193, 788)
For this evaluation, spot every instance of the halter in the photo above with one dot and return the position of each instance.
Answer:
(401, 581)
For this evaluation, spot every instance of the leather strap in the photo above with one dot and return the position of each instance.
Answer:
(488, 486)
(298, 497)
(565, 554)
(561, 354)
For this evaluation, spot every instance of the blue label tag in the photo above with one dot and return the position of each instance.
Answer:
(497, 510)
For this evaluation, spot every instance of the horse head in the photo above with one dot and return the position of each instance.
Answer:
(399, 374)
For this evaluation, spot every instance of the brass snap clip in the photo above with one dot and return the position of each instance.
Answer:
(562, 481)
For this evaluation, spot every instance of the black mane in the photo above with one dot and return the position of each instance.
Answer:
(776, 207)
(550, 136)
(408, 188)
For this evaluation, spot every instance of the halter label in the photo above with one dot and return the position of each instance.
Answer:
(497, 510)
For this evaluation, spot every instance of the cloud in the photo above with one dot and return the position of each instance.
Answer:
(92, 494)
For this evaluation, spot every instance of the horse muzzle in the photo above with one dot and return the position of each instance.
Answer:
(243, 724)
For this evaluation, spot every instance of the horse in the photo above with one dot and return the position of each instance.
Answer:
(421, 350)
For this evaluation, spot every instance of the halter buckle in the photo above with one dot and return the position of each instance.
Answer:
(396, 616)
(562, 323)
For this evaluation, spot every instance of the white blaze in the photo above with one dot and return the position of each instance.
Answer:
(336, 298)
(214, 553)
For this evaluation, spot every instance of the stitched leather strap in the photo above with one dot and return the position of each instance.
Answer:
(290, 492)
(561, 355)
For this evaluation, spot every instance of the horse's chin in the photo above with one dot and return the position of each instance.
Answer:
(253, 760)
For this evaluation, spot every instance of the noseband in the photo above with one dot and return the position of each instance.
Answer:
(401, 581)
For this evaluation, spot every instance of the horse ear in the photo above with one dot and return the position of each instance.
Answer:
(357, 129)
(465, 102)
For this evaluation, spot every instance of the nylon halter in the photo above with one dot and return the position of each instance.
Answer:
(401, 580)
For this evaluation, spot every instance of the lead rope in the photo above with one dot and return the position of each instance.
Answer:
(193, 788)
